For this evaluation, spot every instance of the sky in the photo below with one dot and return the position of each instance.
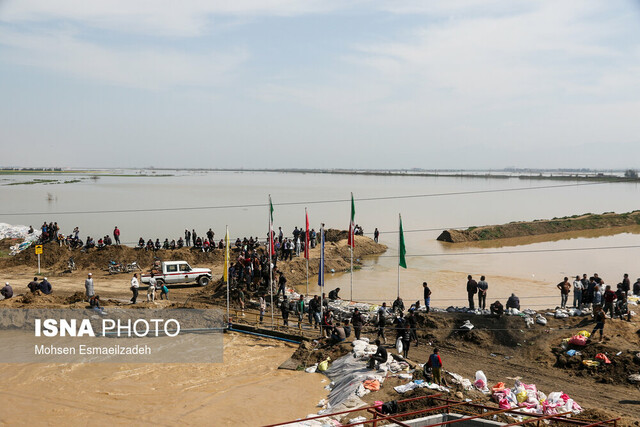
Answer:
(320, 84)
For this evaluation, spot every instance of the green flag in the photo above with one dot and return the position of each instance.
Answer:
(402, 261)
(271, 208)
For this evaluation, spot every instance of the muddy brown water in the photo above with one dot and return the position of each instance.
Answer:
(246, 389)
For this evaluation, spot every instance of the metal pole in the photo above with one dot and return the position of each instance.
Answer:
(399, 219)
(353, 244)
(38, 263)
(351, 250)
(271, 242)
(226, 273)
(321, 274)
(307, 245)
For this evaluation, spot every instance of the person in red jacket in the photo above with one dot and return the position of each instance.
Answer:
(116, 235)
(609, 297)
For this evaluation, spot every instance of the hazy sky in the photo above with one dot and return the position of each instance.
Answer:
(326, 83)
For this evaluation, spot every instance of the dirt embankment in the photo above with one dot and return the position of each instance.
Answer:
(505, 350)
(533, 228)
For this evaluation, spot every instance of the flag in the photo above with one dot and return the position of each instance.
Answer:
(226, 257)
(321, 268)
(351, 240)
(402, 261)
(307, 243)
(272, 249)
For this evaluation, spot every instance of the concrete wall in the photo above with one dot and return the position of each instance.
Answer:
(440, 418)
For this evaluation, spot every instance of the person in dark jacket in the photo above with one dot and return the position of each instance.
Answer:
(34, 285)
(600, 317)
(435, 363)
(497, 308)
(427, 296)
(45, 287)
(406, 340)
(472, 289)
(398, 306)
(333, 295)
(379, 356)
(6, 291)
(284, 308)
(513, 302)
(358, 322)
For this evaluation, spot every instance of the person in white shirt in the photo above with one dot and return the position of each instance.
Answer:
(151, 290)
(134, 287)
(578, 287)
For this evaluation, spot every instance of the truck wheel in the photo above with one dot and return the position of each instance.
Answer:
(203, 280)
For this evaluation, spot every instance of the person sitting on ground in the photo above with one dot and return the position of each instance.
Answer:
(398, 306)
(180, 243)
(149, 245)
(497, 308)
(45, 287)
(6, 291)
(141, 243)
(172, 245)
(34, 286)
(333, 295)
(165, 244)
(379, 356)
(338, 334)
(513, 302)
(347, 328)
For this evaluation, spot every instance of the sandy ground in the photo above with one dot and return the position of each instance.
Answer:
(247, 389)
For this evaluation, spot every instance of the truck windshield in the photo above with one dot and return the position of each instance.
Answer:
(185, 267)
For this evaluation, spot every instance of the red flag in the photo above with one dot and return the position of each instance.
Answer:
(307, 243)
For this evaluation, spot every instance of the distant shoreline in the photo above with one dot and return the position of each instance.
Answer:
(534, 174)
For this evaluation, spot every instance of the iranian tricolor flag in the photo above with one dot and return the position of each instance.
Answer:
(351, 242)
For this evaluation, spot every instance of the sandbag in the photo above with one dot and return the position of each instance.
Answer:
(580, 340)
(324, 365)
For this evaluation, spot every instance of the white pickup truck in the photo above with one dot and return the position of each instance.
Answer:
(174, 272)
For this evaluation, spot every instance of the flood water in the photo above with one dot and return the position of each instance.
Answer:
(444, 266)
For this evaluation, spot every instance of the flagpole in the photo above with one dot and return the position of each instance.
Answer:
(306, 245)
(226, 273)
(352, 237)
(399, 249)
(270, 240)
(321, 278)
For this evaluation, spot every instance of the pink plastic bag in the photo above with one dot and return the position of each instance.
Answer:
(504, 404)
(578, 340)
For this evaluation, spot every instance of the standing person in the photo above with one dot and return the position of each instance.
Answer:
(597, 295)
(636, 288)
(317, 314)
(406, 340)
(376, 235)
(327, 322)
(609, 297)
(435, 363)
(151, 290)
(280, 235)
(600, 317)
(284, 308)
(116, 235)
(565, 288)
(413, 324)
(135, 285)
(358, 322)
(194, 236)
(282, 284)
(427, 296)
(626, 285)
(382, 321)
(6, 291)
(472, 289)
(263, 307)
(577, 292)
(300, 310)
(88, 286)
(187, 237)
(482, 293)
